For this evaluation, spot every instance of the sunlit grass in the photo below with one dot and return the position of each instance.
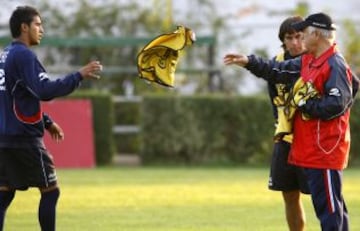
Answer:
(170, 199)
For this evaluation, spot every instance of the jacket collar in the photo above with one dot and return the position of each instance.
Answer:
(317, 62)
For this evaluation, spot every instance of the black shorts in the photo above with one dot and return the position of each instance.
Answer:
(284, 176)
(21, 168)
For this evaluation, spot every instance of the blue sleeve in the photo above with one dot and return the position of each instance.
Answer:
(38, 82)
(338, 94)
(275, 72)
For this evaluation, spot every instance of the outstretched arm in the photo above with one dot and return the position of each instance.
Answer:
(269, 70)
(236, 59)
(41, 86)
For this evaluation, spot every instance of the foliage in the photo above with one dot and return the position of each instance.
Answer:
(205, 129)
(215, 130)
(127, 113)
(354, 158)
(302, 9)
(87, 18)
(352, 45)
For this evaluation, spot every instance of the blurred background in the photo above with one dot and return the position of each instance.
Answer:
(114, 31)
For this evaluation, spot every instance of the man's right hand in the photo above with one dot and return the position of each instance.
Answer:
(91, 70)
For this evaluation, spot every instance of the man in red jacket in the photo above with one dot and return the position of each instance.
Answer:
(321, 124)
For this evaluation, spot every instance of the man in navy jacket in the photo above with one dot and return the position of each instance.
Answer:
(24, 160)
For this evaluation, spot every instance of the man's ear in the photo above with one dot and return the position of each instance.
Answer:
(24, 27)
(317, 34)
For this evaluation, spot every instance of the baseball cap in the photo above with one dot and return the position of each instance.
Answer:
(319, 20)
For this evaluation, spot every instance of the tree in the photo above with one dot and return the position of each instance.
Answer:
(111, 18)
(352, 45)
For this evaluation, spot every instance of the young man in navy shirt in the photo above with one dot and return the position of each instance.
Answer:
(24, 160)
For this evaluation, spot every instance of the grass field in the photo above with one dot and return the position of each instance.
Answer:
(170, 199)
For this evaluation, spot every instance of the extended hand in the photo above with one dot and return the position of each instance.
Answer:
(240, 60)
(91, 70)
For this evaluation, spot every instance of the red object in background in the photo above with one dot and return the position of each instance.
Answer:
(75, 118)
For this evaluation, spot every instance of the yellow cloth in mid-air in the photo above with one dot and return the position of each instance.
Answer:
(157, 61)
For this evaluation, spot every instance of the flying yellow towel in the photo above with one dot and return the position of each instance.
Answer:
(157, 61)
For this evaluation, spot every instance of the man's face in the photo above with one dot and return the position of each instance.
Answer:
(294, 44)
(310, 40)
(35, 31)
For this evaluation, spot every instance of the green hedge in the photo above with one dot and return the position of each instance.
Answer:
(213, 130)
(126, 113)
(205, 129)
(103, 115)
(354, 158)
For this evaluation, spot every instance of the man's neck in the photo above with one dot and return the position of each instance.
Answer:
(22, 40)
(323, 46)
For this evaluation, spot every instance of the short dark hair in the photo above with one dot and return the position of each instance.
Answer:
(22, 14)
(286, 26)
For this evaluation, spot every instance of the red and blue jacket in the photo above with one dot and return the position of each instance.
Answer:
(322, 142)
(24, 83)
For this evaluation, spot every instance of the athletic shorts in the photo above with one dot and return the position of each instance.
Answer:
(283, 176)
(21, 168)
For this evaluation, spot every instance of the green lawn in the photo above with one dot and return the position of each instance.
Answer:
(170, 199)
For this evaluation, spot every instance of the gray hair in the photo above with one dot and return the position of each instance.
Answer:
(326, 34)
